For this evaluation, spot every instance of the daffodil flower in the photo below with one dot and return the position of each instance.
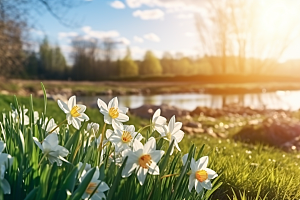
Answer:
(92, 128)
(6, 161)
(173, 132)
(18, 117)
(201, 175)
(158, 121)
(75, 112)
(143, 159)
(51, 149)
(124, 136)
(99, 193)
(50, 125)
(113, 114)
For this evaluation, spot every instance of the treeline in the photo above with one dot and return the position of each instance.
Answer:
(94, 60)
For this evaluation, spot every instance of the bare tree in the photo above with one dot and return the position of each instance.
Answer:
(233, 37)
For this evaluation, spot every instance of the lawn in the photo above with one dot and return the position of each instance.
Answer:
(246, 171)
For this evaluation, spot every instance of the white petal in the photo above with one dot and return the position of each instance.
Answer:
(82, 108)
(96, 174)
(123, 109)
(206, 184)
(178, 135)
(36, 141)
(176, 145)
(63, 152)
(198, 186)
(156, 155)
(128, 169)
(172, 123)
(76, 123)
(193, 165)
(63, 106)
(211, 173)
(98, 196)
(5, 186)
(141, 174)
(191, 182)
(2, 146)
(52, 139)
(103, 187)
(184, 158)
(53, 159)
(177, 127)
(129, 128)
(138, 146)
(122, 117)
(156, 114)
(150, 145)
(101, 104)
(107, 118)
(72, 102)
(113, 103)
(69, 118)
(160, 120)
(153, 169)
(115, 124)
(83, 117)
(109, 133)
(202, 162)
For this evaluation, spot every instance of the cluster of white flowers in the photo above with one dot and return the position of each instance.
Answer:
(6, 161)
(127, 142)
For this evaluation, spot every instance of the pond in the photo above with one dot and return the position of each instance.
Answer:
(287, 100)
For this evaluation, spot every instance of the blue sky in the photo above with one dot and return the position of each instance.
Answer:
(157, 25)
(141, 24)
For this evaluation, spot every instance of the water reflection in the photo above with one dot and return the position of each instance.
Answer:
(288, 100)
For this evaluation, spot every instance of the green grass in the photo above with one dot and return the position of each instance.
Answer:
(247, 171)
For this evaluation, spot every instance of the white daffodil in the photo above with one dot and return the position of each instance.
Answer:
(124, 136)
(158, 121)
(99, 193)
(113, 114)
(93, 128)
(143, 158)
(50, 125)
(173, 132)
(87, 166)
(75, 112)
(201, 175)
(18, 117)
(6, 161)
(51, 149)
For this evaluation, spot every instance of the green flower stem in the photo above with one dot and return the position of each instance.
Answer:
(144, 128)
(102, 138)
(57, 126)
(42, 159)
(169, 175)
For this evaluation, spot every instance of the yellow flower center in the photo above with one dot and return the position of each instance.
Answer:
(91, 187)
(201, 175)
(74, 111)
(113, 112)
(145, 161)
(126, 137)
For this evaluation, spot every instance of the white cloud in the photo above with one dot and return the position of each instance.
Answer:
(138, 39)
(185, 16)
(149, 14)
(170, 5)
(62, 35)
(152, 37)
(100, 34)
(124, 40)
(190, 34)
(117, 4)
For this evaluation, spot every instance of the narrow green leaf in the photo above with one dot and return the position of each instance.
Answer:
(31, 195)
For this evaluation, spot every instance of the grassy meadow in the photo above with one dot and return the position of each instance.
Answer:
(246, 171)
